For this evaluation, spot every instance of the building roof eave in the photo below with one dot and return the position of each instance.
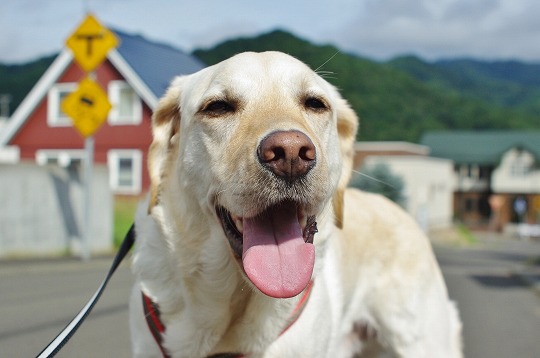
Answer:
(33, 98)
(133, 79)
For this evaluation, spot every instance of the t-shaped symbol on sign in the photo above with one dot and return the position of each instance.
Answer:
(89, 38)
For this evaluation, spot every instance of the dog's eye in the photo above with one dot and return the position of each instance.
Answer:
(218, 108)
(315, 104)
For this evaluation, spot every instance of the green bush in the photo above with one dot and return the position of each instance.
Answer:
(380, 179)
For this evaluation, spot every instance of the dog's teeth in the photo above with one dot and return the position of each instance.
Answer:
(239, 224)
(302, 218)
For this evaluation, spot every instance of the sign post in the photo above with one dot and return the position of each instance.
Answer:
(87, 195)
(88, 106)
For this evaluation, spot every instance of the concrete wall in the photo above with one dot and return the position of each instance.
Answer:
(428, 187)
(41, 210)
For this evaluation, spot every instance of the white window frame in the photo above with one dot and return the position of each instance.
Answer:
(520, 167)
(54, 117)
(113, 161)
(62, 157)
(114, 89)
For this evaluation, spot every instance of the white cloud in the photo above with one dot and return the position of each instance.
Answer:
(446, 28)
(376, 28)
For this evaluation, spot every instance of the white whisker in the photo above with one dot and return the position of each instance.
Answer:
(327, 76)
(330, 59)
(374, 179)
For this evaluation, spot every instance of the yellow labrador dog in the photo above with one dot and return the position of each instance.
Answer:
(252, 246)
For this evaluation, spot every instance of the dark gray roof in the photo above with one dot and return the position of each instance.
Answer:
(155, 63)
(480, 147)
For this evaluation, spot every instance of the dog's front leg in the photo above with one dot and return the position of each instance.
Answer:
(195, 332)
(207, 292)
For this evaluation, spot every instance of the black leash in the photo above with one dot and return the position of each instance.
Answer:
(63, 337)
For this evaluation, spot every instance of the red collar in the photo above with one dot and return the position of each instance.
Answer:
(157, 328)
(299, 307)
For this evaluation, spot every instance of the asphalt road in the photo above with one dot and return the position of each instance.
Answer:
(500, 310)
(501, 313)
(38, 299)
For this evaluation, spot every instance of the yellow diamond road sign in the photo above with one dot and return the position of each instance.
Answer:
(88, 107)
(90, 43)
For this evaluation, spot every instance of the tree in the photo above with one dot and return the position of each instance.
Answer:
(379, 179)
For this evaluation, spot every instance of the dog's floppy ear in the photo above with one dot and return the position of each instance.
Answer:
(165, 125)
(347, 125)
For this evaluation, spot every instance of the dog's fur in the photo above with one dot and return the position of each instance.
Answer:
(376, 283)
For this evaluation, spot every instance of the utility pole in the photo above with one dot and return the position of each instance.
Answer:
(5, 100)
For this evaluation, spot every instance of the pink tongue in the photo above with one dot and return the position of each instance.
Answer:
(276, 258)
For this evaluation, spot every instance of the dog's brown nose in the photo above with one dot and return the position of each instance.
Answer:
(287, 154)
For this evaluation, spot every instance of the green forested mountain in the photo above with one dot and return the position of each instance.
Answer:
(17, 80)
(393, 101)
(396, 100)
(502, 83)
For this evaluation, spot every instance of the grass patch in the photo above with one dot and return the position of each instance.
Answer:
(466, 234)
(456, 235)
(124, 214)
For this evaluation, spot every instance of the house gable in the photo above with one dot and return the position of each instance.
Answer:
(147, 66)
(37, 134)
(141, 70)
(35, 96)
(518, 172)
(38, 141)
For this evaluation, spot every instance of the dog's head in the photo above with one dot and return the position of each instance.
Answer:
(262, 145)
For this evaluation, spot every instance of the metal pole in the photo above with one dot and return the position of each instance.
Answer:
(5, 99)
(87, 202)
(87, 196)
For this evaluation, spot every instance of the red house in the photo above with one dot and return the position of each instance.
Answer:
(134, 76)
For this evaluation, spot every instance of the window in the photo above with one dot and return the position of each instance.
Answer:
(521, 165)
(484, 172)
(55, 116)
(474, 171)
(125, 167)
(126, 105)
(470, 205)
(61, 157)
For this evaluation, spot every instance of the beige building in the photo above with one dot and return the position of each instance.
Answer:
(496, 176)
(428, 184)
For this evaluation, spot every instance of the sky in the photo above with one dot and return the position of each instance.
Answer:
(377, 29)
